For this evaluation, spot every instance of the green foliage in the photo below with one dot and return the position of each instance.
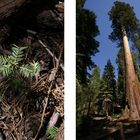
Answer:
(17, 53)
(29, 70)
(109, 78)
(52, 132)
(107, 86)
(81, 97)
(10, 65)
(86, 45)
(94, 80)
(121, 78)
(86, 95)
(80, 3)
(93, 89)
(136, 39)
(136, 48)
(122, 15)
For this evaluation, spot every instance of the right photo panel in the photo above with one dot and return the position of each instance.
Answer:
(107, 70)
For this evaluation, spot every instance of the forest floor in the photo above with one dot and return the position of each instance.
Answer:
(102, 128)
(32, 108)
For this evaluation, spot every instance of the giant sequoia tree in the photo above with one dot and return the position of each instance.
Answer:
(124, 24)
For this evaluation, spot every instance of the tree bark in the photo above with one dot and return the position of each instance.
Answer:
(8, 7)
(60, 135)
(132, 83)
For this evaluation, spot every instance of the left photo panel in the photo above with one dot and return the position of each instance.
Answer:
(32, 70)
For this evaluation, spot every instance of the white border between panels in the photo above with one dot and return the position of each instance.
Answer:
(70, 70)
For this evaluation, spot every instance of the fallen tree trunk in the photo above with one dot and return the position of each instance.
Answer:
(9, 7)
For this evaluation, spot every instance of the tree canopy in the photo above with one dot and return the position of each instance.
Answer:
(122, 16)
(86, 44)
(80, 3)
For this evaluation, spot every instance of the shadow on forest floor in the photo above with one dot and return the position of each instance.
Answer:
(100, 128)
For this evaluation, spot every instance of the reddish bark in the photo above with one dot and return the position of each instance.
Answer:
(132, 83)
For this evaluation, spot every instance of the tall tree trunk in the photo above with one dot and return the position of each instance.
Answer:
(132, 83)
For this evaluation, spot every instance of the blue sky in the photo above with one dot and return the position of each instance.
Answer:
(107, 49)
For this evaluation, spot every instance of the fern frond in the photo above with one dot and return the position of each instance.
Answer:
(29, 70)
(52, 131)
(10, 64)
(3, 60)
(11, 60)
(35, 66)
(6, 70)
(25, 71)
(17, 53)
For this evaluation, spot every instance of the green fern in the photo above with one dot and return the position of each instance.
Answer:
(3, 60)
(29, 70)
(52, 132)
(10, 65)
(17, 53)
(5, 70)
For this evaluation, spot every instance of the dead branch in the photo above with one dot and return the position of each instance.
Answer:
(49, 91)
(61, 65)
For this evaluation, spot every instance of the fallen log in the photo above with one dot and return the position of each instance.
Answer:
(8, 7)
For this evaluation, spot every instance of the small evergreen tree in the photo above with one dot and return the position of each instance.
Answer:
(107, 88)
(93, 90)
(109, 78)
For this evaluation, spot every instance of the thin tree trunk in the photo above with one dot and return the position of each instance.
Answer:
(132, 83)
(89, 107)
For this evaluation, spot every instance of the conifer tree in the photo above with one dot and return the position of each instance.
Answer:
(121, 78)
(93, 90)
(86, 44)
(124, 25)
(109, 78)
(108, 88)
